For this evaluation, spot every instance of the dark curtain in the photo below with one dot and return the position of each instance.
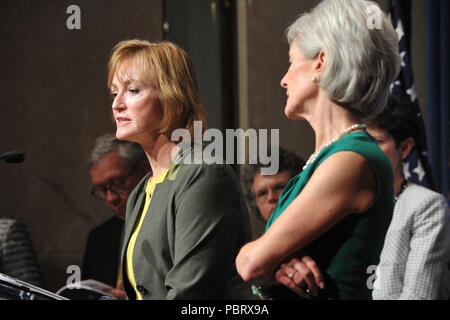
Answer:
(438, 70)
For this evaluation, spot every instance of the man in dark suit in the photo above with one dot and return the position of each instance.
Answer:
(115, 168)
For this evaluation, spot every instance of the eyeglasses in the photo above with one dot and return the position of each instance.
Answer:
(101, 191)
(262, 195)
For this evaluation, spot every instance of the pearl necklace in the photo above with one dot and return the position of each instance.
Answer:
(343, 134)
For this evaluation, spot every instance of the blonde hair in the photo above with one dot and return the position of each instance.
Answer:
(175, 75)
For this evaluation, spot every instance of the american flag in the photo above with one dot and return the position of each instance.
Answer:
(416, 167)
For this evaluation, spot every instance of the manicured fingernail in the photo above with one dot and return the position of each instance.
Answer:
(322, 285)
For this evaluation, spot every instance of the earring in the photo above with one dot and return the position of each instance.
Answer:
(314, 79)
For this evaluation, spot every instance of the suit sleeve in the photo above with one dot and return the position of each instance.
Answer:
(87, 259)
(428, 251)
(208, 216)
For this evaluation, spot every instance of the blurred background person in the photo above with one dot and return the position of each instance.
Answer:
(413, 263)
(263, 191)
(17, 257)
(337, 211)
(115, 168)
(185, 222)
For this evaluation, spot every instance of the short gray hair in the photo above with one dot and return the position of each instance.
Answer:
(131, 152)
(362, 62)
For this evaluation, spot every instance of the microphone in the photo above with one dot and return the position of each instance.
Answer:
(13, 157)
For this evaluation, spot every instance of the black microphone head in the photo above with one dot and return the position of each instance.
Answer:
(13, 157)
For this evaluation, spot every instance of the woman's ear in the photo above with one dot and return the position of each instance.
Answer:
(321, 63)
(406, 147)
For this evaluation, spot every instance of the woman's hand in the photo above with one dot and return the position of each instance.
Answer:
(301, 276)
(118, 292)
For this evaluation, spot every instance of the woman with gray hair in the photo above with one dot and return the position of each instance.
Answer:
(338, 209)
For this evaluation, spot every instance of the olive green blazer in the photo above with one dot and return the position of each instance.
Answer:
(194, 227)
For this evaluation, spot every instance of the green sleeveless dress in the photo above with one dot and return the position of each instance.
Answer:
(344, 253)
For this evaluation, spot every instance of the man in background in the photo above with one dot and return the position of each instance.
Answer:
(263, 191)
(115, 168)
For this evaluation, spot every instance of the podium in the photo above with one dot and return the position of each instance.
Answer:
(15, 289)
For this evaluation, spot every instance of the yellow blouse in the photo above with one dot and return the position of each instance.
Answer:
(149, 189)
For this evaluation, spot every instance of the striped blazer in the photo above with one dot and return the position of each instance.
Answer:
(17, 258)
